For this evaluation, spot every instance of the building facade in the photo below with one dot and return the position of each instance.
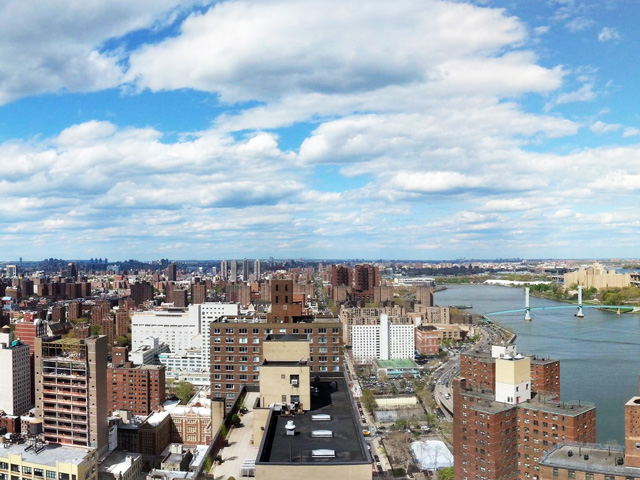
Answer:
(71, 390)
(385, 341)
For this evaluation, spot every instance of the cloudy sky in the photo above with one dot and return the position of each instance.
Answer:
(321, 129)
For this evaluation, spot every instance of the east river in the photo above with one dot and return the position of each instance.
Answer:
(599, 354)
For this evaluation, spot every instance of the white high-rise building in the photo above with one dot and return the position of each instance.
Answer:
(211, 312)
(186, 333)
(15, 394)
(385, 341)
(178, 329)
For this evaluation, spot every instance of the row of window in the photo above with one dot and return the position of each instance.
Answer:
(36, 472)
(267, 331)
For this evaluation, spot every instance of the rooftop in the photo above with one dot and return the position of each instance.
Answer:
(605, 459)
(486, 357)
(333, 399)
(288, 337)
(118, 462)
(397, 363)
(49, 455)
(487, 403)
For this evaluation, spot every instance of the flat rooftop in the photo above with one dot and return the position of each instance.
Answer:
(486, 403)
(118, 462)
(51, 453)
(397, 363)
(593, 458)
(333, 398)
(485, 356)
(287, 337)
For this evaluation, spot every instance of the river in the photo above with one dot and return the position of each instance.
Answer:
(599, 354)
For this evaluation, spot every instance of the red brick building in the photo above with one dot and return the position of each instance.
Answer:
(138, 389)
(479, 369)
(500, 441)
(427, 340)
(236, 350)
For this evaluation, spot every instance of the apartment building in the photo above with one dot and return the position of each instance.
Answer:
(236, 350)
(71, 390)
(15, 395)
(502, 432)
(385, 341)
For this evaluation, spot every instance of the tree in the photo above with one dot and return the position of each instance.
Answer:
(96, 329)
(184, 391)
(123, 341)
(368, 400)
(445, 473)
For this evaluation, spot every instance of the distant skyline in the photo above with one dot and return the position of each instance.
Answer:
(319, 129)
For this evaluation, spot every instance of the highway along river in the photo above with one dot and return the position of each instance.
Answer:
(599, 354)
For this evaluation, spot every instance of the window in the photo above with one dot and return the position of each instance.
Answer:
(322, 330)
(228, 368)
(26, 470)
(335, 331)
(229, 349)
(63, 476)
(256, 331)
(4, 466)
(216, 331)
(229, 386)
(51, 475)
(228, 377)
(15, 468)
(242, 331)
(38, 472)
(228, 330)
(216, 340)
(243, 340)
(256, 340)
(571, 474)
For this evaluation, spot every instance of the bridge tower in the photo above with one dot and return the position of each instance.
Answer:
(580, 314)
(527, 307)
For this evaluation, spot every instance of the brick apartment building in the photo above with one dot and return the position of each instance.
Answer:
(479, 369)
(236, 351)
(427, 340)
(139, 389)
(502, 429)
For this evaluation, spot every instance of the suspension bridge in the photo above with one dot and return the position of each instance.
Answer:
(579, 307)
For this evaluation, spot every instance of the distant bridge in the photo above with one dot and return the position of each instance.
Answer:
(579, 306)
(554, 307)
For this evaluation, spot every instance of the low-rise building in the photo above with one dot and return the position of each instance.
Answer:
(23, 461)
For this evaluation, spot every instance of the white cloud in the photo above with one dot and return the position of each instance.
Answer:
(58, 46)
(607, 34)
(541, 30)
(265, 50)
(631, 132)
(584, 94)
(579, 24)
(601, 127)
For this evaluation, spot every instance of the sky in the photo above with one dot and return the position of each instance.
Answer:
(412, 129)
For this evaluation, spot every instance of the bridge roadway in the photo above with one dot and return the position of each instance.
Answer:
(560, 307)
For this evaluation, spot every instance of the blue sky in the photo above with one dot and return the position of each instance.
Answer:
(321, 129)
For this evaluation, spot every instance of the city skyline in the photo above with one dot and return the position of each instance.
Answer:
(333, 129)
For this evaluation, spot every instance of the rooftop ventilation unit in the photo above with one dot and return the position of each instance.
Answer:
(321, 417)
(322, 434)
(290, 427)
(323, 453)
